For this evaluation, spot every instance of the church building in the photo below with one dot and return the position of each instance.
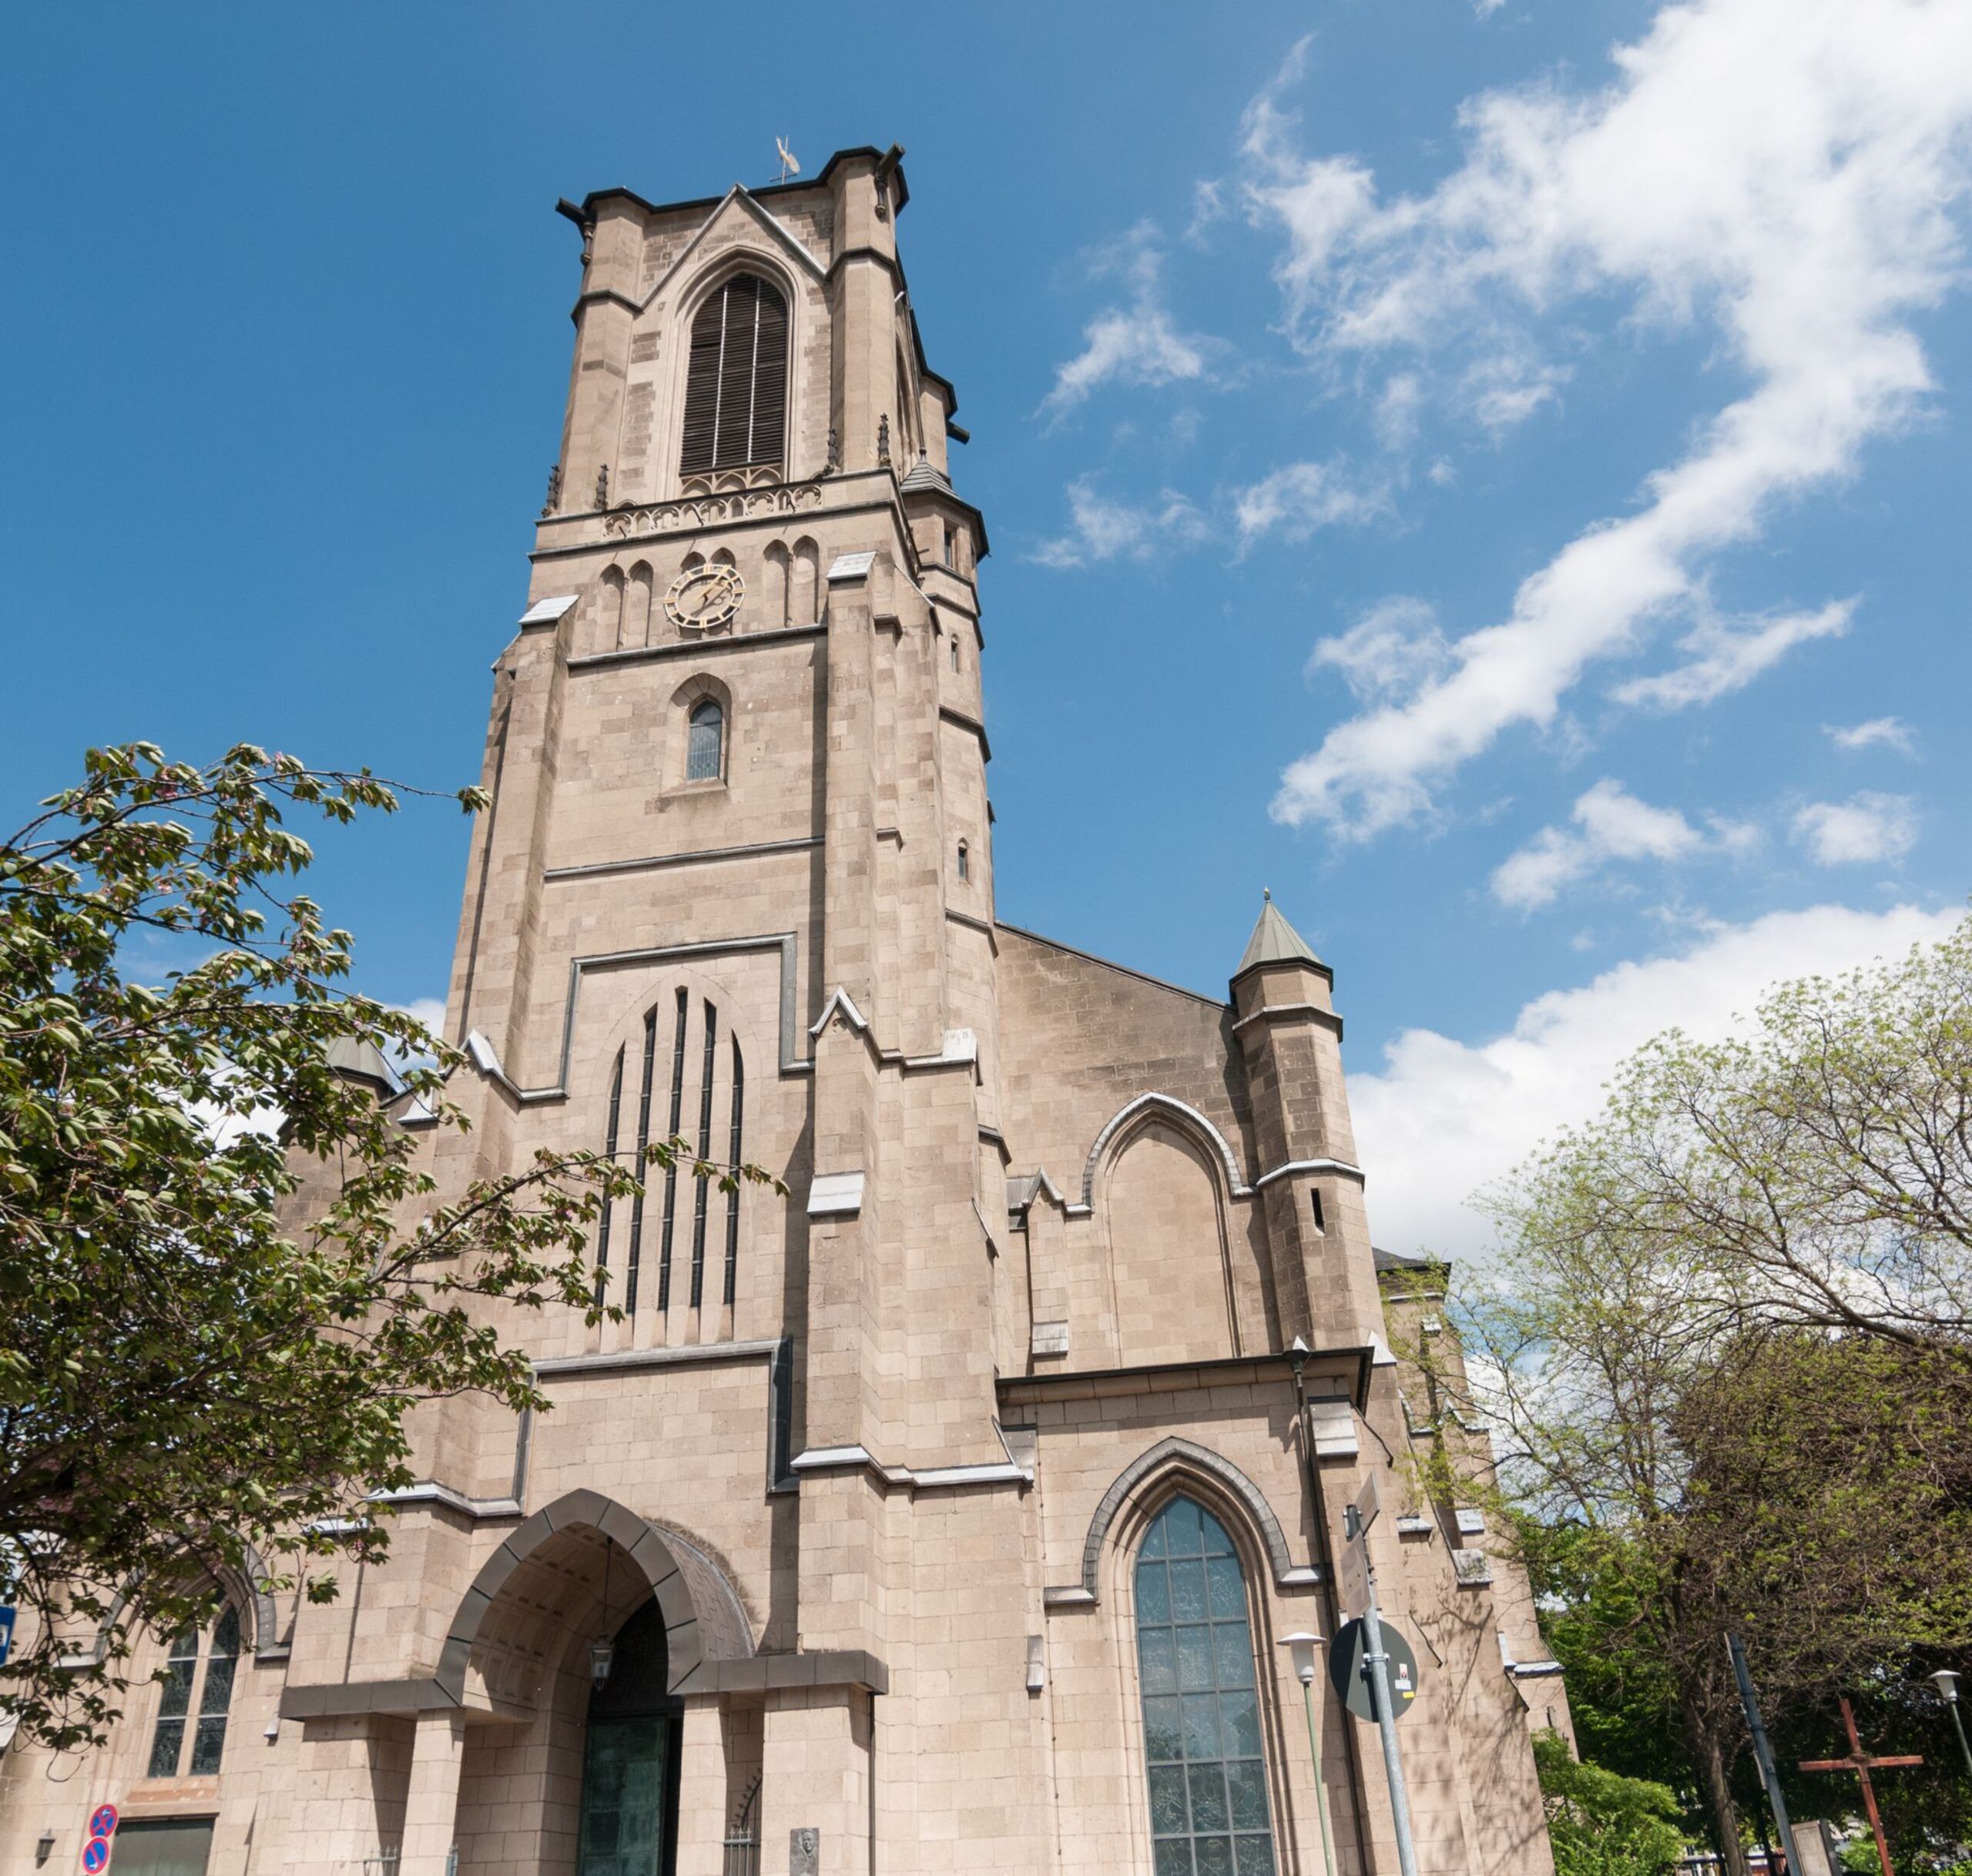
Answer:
(947, 1514)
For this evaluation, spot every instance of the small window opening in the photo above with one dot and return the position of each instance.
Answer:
(1315, 1197)
(954, 652)
(964, 862)
(706, 750)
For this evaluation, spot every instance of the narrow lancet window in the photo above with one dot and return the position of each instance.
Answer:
(705, 743)
(608, 1207)
(733, 1157)
(704, 1153)
(671, 1171)
(643, 1141)
(1208, 1809)
(964, 862)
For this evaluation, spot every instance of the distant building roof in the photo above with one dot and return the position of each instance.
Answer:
(1394, 1260)
(1275, 942)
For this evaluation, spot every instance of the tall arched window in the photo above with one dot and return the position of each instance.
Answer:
(736, 379)
(706, 745)
(189, 1692)
(1208, 1810)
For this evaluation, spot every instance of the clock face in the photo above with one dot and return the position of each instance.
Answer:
(705, 596)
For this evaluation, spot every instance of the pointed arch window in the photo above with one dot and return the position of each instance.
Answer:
(704, 750)
(1208, 1809)
(197, 1696)
(736, 379)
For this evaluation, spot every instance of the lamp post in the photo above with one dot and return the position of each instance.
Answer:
(1945, 1681)
(1302, 1646)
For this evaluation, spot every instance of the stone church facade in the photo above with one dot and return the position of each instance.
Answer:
(946, 1514)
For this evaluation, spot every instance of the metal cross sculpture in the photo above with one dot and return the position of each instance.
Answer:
(1860, 1763)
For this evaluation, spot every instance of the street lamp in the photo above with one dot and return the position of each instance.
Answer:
(602, 1650)
(1946, 1683)
(602, 1658)
(1301, 1647)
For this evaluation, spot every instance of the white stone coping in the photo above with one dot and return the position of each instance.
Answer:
(835, 1195)
(846, 567)
(549, 611)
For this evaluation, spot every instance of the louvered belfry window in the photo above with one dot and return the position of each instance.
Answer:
(735, 380)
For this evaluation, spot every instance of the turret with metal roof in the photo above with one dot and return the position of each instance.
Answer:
(1275, 941)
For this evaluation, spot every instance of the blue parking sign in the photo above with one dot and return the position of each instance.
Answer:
(6, 1632)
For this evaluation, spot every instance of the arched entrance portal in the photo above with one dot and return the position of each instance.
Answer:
(588, 1769)
(630, 1761)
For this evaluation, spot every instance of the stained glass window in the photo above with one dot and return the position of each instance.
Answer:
(1208, 1809)
(220, 1657)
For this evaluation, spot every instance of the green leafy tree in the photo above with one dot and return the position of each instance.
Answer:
(1726, 1348)
(203, 1368)
(1601, 1823)
(1593, 1586)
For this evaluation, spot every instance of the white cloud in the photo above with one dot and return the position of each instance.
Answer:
(1502, 392)
(1102, 529)
(1614, 824)
(1890, 730)
(1393, 649)
(1303, 497)
(1397, 411)
(1727, 654)
(1863, 830)
(1784, 173)
(1136, 344)
(1443, 1118)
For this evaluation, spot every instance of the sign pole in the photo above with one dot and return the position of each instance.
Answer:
(1376, 1659)
(1303, 1645)
(1763, 1753)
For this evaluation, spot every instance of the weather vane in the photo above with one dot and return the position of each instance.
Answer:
(788, 166)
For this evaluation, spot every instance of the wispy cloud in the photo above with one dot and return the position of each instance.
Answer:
(1390, 651)
(1609, 824)
(1864, 830)
(1784, 174)
(1889, 731)
(1301, 498)
(1136, 344)
(1102, 528)
(1729, 654)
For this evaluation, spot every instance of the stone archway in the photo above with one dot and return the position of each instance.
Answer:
(703, 1620)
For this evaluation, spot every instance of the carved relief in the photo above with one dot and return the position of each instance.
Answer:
(658, 518)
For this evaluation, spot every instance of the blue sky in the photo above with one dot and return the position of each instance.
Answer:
(1495, 474)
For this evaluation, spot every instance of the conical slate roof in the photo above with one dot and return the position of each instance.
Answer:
(1275, 942)
(363, 1060)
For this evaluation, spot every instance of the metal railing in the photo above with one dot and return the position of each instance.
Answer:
(743, 1839)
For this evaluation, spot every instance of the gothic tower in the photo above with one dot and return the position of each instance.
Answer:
(944, 1514)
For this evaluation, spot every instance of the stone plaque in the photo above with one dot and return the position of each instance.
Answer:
(804, 1851)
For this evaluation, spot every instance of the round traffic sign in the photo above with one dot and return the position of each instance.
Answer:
(103, 1820)
(96, 1855)
(1346, 1669)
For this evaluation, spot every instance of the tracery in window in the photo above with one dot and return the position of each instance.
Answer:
(1208, 1809)
(197, 1695)
(736, 379)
